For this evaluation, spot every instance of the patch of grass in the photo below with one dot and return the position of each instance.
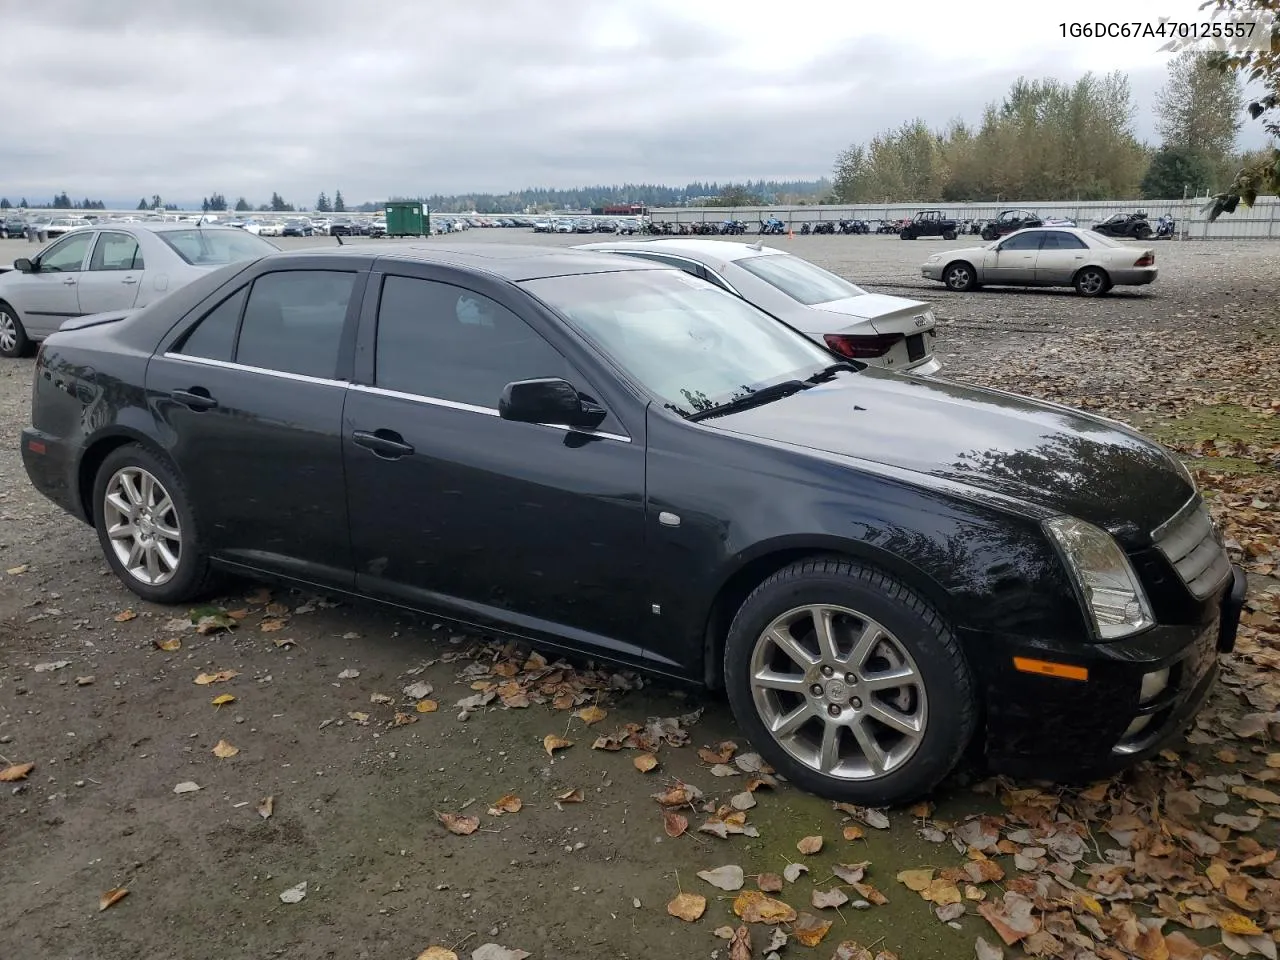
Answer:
(1224, 421)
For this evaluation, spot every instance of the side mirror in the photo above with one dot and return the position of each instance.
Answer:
(23, 265)
(548, 400)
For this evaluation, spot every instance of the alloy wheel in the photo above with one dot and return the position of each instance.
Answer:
(142, 525)
(958, 278)
(1091, 283)
(8, 332)
(838, 692)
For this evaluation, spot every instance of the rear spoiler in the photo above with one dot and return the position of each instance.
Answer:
(96, 319)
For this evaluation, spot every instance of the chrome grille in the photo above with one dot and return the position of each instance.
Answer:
(1190, 543)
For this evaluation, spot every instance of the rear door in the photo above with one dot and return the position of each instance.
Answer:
(50, 295)
(1014, 260)
(1061, 255)
(536, 527)
(115, 273)
(249, 390)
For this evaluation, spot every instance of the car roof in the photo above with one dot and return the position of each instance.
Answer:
(511, 261)
(717, 249)
(157, 227)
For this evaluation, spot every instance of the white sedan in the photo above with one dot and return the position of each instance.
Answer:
(107, 268)
(1046, 257)
(890, 332)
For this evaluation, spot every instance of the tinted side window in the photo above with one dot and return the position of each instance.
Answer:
(214, 336)
(1063, 241)
(293, 321)
(438, 340)
(1022, 241)
(116, 251)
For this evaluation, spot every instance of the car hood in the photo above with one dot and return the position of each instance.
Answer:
(1052, 457)
(966, 252)
(875, 307)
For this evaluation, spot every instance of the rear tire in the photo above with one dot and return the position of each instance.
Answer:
(948, 235)
(148, 528)
(1092, 282)
(960, 276)
(880, 714)
(14, 341)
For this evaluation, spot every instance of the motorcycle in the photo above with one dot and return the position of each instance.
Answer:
(1166, 226)
(804, 230)
(853, 226)
(824, 227)
(773, 226)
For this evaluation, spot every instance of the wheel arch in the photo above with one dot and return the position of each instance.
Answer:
(97, 451)
(1093, 266)
(756, 565)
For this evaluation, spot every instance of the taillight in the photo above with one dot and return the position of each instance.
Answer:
(862, 348)
(1146, 260)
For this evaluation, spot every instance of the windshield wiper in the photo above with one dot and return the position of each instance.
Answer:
(775, 391)
(827, 372)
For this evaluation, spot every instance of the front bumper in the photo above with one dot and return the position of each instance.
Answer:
(932, 271)
(1069, 730)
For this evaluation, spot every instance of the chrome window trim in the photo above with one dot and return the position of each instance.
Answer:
(475, 408)
(244, 367)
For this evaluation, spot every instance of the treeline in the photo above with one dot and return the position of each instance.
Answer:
(61, 202)
(650, 194)
(1051, 140)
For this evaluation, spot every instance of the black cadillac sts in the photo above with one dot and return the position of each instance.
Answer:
(614, 457)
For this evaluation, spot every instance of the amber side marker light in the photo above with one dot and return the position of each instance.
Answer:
(1047, 668)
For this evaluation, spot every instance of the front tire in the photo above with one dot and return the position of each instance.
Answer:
(948, 235)
(147, 527)
(14, 341)
(960, 276)
(849, 683)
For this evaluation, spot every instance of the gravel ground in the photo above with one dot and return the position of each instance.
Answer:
(354, 802)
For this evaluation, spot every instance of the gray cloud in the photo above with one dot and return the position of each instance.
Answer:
(384, 97)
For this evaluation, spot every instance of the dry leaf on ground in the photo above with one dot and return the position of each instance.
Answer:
(507, 803)
(15, 772)
(729, 877)
(551, 743)
(186, 786)
(437, 953)
(869, 893)
(851, 950)
(223, 699)
(810, 930)
(124, 616)
(754, 907)
(850, 872)
(722, 754)
(828, 899)
(740, 943)
(266, 807)
(492, 951)
(170, 645)
(916, 880)
(459, 823)
(688, 906)
(222, 676)
(809, 845)
(987, 951)
(111, 897)
(223, 750)
(644, 762)
(295, 894)
(853, 832)
(426, 706)
(674, 823)
(272, 625)
(769, 882)
(792, 871)
(571, 796)
(591, 715)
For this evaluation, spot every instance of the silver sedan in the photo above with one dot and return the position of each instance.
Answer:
(891, 332)
(113, 266)
(1046, 257)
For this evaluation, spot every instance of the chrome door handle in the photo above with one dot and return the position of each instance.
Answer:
(129, 280)
(69, 280)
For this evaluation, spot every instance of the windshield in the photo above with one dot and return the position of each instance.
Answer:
(688, 343)
(799, 279)
(210, 248)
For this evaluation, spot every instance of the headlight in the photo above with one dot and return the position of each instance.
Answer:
(1111, 589)
(935, 258)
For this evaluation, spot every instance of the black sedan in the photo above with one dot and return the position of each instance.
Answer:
(611, 456)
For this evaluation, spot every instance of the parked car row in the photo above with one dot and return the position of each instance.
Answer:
(697, 459)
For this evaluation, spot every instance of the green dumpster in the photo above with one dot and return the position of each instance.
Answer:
(407, 218)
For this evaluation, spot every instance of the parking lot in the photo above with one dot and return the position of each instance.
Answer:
(106, 696)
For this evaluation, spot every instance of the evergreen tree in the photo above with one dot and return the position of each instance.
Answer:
(322, 204)
(142, 204)
(242, 205)
(339, 205)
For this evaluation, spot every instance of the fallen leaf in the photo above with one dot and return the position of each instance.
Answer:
(591, 715)
(551, 743)
(223, 699)
(688, 906)
(491, 951)
(828, 899)
(427, 706)
(723, 933)
(917, 880)
(170, 645)
(295, 894)
(437, 953)
(272, 625)
(809, 845)
(854, 832)
(53, 665)
(942, 892)
(728, 877)
(769, 882)
(674, 823)
(458, 823)
(266, 807)
(381, 699)
(348, 674)
(1243, 824)
(571, 796)
(358, 717)
(187, 786)
(792, 871)
(15, 772)
(644, 762)
(214, 623)
(1238, 924)
(922, 810)
(742, 801)
(285, 642)
(419, 690)
(950, 912)
(1217, 873)
(403, 719)
(987, 951)
(851, 950)
(754, 907)
(20, 569)
(223, 750)
(1257, 794)
(124, 616)
(678, 795)
(222, 676)
(722, 754)
(810, 930)
(507, 803)
(869, 893)
(740, 943)
(111, 897)
(1011, 918)
(777, 940)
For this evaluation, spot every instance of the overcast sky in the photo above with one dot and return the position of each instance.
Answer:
(383, 97)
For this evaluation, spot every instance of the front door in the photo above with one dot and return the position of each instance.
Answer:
(538, 527)
(1014, 260)
(251, 395)
(49, 295)
(114, 276)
